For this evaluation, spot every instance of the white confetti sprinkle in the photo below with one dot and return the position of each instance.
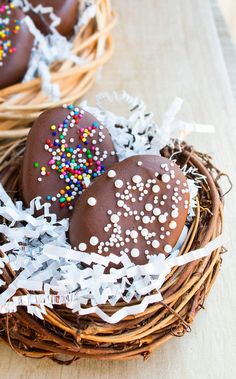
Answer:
(155, 188)
(156, 211)
(134, 234)
(120, 203)
(119, 183)
(115, 219)
(175, 213)
(134, 253)
(165, 178)
(155, 244)
(94, 241)
(148, 207)
(146, 219)
(82, 246)
(144, 232)
(92, 201)
(111, 174)
(172, 224)
(136, 179)
(162, 219)
(167, 248)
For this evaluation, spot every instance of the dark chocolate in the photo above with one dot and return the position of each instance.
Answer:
(67, 10)
(14, 63)
(138, 207)
(66, 149)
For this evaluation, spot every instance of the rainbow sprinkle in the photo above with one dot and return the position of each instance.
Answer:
(6, 47)
(75, 163)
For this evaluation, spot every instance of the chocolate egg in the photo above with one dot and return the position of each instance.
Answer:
(16, 43)
(66, 149)
(66, 10)
(138, 207)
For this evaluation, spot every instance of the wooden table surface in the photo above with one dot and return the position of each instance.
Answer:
(164, 49)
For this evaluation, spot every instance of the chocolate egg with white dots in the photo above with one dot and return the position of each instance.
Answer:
(67, 148)
(138, 207)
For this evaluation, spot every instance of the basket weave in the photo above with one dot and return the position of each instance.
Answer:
(65, 336)
(20, 104)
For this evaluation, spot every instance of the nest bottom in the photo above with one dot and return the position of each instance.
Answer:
(65, 336)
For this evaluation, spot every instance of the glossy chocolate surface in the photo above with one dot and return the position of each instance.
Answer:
(138, 207)
(14, 64)
(67, 10)
(67, 148)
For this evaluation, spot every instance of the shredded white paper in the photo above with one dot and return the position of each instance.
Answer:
(38, 250)
(140, 134)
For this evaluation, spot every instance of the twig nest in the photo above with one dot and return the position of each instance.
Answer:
(16, 43)
(139, 207)
(66, 149)
(56, 293)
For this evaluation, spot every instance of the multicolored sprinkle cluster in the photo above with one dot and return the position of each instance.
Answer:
(75, 163)
(6, 32)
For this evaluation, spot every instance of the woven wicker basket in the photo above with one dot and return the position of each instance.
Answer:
(20, 104)
(65, 336)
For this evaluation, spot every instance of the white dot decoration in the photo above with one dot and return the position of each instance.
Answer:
(146, 219)
(91, 201)
(119, 183)
(136, 179)
(120, 203)
(172, 224)
(115, 218)
(134, 234)
(148, 207)
(155, 244)
(162, 219)
(167, 249)
(156, 211)
(175, 213)
(111, 174)
(139, 163)
(144, 232)
(134, 252)
(82, 246)
(94, 241)
(155, 188)
(165, 178)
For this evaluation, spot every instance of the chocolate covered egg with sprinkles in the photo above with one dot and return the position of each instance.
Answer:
(16, 43)
(66, 149)
(139, 207)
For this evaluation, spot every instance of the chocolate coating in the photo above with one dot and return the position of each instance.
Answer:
(15, 65)
(58, 165)
(67, 10)
(139, 207)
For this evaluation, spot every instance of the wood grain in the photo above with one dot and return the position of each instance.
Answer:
(164, 49)
(227, 42)
(228, 8)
